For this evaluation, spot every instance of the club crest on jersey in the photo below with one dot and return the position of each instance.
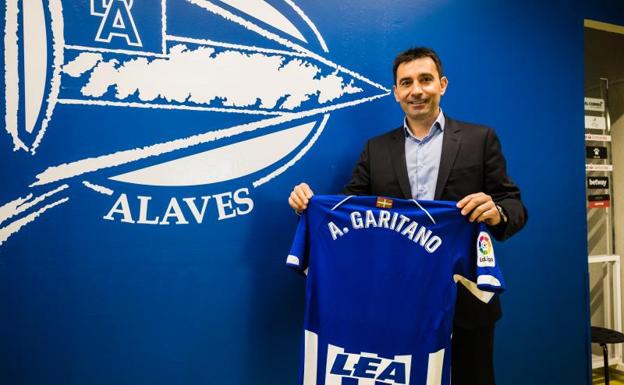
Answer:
(366, 368)
(485, 251)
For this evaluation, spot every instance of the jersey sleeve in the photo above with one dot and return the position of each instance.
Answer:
(299, 250)
(488, 273)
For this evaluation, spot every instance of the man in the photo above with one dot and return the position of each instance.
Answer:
(435, 157)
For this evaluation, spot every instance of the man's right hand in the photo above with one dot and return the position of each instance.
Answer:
(299, 197)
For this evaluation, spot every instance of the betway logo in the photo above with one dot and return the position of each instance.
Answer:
(602, 182)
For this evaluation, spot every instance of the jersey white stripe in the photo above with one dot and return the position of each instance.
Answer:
(483, 296)
(434, 368)
(341, 202)
(311, 358)
(293, 260)
(488, 280)
(423, 209)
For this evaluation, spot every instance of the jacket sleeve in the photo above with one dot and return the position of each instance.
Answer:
(503, 190)
(360, 178)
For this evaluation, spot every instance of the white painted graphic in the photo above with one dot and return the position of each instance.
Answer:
(36, 62)
(117, 21)
(69, 170)
(22, 205)
(38, 37)
(200, 76)
(264, 12)
(290, 90)
(98, 188)
(221, 164)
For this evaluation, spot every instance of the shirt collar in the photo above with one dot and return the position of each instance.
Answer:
(440, 122)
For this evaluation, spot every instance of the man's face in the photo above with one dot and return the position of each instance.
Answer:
(418, 89)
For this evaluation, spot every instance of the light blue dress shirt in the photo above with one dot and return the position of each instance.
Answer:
(422, 157)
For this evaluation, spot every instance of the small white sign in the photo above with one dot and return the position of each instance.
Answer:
(597, 138)
(595, 122)
(599, 167)
(594, 104)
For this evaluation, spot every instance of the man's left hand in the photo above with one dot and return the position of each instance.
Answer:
(481, 208)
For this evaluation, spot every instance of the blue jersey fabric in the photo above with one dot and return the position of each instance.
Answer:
(380, 289)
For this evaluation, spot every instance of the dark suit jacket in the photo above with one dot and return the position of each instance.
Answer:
(471, 162)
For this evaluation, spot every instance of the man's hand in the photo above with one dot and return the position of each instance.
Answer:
(299, 197)
(481, 208)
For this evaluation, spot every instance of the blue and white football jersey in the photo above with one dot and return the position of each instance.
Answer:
(381, 287)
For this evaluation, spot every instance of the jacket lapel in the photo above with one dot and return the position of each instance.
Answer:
(450, 147)
(397, 154)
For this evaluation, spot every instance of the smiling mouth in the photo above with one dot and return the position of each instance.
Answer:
(417, 103)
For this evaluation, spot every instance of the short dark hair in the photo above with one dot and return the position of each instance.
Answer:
(416, 53)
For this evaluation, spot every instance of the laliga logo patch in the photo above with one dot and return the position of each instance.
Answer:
(366, 368)
(485, 251)
(199, 102)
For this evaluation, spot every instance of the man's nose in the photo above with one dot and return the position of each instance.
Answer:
(416, 89)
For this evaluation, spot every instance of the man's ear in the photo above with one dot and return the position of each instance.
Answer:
(394, 91)
(444, 84)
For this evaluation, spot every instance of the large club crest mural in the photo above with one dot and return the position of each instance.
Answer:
(194, 93)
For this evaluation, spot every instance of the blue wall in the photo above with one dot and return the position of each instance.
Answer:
(85, 300)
